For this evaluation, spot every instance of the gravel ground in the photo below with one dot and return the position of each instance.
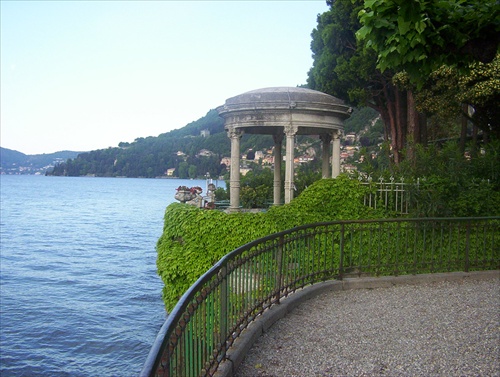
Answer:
(436, 329)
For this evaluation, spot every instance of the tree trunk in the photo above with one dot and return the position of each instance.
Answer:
(463, 131)
(388, 104)
(475, 131)
(402, 121)
(402, 118)
(414, 122)
(423, 129)
(413, 126)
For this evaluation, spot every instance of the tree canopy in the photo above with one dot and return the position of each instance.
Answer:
(420, 36)
(391, 56)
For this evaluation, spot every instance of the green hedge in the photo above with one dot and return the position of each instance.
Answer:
(194, 239)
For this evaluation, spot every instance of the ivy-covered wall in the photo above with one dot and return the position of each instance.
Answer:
(194, 239)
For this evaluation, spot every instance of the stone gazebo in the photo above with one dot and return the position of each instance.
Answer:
(283, 111)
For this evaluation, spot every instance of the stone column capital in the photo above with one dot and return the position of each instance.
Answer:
(291, 130)
(278, 138)
(233, 132)
(336, 134)
(325, 138)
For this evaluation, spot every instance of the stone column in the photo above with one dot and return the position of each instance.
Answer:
(278, 141)
(325, 155)
(290, 132)
(234, 179)
(336, 154)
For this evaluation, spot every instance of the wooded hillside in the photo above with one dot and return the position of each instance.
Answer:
(185, 150)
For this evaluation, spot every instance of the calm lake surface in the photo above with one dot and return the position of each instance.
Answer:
(79, 293)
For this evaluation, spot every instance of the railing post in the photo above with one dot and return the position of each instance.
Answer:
(223, 312)
(467, 246)
(279, 264)
(341, 258)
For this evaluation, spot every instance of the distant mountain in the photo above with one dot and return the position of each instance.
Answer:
(152, 156)
(10, 157)
(14, 162)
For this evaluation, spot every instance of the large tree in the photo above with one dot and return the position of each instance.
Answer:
(344, 67)
(422, 37)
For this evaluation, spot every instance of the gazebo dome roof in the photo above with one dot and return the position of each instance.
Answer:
(268, 110)
(282, 96)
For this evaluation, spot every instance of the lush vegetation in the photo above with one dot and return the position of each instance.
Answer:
(345, 68)
(430, 69)
(194, 239)
(445, 182)
(456, 184)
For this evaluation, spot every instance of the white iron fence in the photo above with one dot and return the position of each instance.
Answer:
(390, 194)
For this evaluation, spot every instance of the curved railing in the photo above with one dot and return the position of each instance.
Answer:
(243, 284)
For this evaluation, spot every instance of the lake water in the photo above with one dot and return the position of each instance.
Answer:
(79, 293)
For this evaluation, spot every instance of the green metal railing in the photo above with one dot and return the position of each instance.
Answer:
(244, 283)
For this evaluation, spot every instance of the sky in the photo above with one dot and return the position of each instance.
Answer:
(86, 75)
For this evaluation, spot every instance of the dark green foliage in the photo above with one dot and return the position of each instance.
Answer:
(306, 175)
(408, 247)
(194, 239)
(256, 142)
(359, 119)
(257, 188)
(192, 171)
(221, 194)
(342, 66)
(457, 185)
(419, 37)
(152, 156)
(447, 182)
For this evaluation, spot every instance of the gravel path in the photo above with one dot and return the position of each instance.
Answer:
(436, 329)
